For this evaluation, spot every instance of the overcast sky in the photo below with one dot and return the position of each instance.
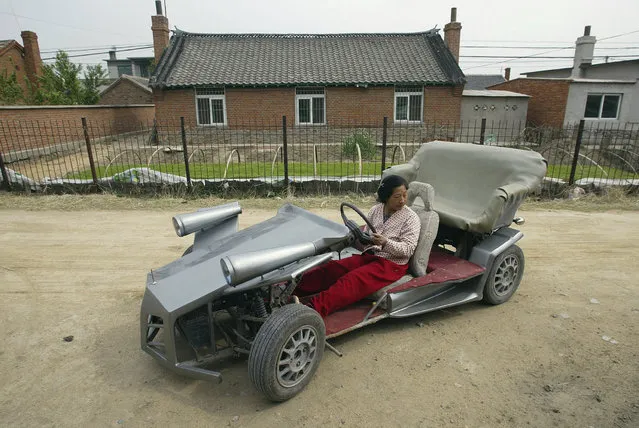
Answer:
(545, 25)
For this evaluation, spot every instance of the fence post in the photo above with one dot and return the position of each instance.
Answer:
(580, 132)
(285, 150)
(5, 176)
(384, 141)
(186, 155)
(483, 131)
(85, 128)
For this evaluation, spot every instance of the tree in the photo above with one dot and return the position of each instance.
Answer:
(10, 90)
(60, 83)
(94, 77)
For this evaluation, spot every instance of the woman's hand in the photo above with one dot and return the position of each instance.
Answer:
(379, 239)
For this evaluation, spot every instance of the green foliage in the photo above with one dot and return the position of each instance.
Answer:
(94, 77)
(60, 83)
(10, 90)
(365, 141)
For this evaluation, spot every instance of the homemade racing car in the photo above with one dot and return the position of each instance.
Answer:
(231, 292)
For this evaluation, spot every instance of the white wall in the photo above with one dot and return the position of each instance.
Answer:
(502, 123)
(578, 93)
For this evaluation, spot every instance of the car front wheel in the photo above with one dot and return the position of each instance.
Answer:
(505, 276)
(287, 351)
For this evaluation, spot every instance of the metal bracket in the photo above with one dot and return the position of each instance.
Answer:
(333, 349)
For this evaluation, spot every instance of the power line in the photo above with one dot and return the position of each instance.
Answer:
(65, 25)
(549, 51)
(541, 47)
(96, 53)
(544, 57)
(111, 47)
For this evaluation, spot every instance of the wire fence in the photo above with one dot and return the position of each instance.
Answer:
(264, 157)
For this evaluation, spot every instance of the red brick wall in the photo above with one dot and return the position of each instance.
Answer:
(547, 105)
(442, 104)
(126, 92)
(12, 61)
(343, 105)
(170, 105)
(253, 106)
(359, 105)
(30, 127)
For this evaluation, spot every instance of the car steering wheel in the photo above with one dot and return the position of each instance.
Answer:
(360, 235)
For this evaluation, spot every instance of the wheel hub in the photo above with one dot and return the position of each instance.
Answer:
(506, 275)
(296, 357)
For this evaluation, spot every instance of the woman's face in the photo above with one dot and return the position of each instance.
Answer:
(397, 199)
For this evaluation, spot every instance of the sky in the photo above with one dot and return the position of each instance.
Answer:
(490, 28)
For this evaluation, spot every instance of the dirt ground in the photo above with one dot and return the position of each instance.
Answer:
(562, 352)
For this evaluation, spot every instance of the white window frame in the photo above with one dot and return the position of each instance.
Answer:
(211, 97)
(310, 97)
(603, 96)
(399, 94)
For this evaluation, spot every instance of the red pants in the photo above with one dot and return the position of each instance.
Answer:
(342, 282)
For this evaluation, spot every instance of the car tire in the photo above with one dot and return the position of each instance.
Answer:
(188, 251)
(286, 352)
(505, 276)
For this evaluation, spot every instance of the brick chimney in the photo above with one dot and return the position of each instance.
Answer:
(452, 34)
(584, 50)
(507, 73)
(32, 59)
(160, 28)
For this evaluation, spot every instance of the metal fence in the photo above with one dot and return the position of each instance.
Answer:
(266, 156)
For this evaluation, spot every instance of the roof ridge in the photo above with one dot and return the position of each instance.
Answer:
(183, 33)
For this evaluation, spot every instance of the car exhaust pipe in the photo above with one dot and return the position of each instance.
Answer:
(186, 224)
(240, 268)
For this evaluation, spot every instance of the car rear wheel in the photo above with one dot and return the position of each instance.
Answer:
(505, 276)
(287, 351)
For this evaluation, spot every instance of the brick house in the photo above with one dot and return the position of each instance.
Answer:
(23, 60)
(605, 94)
(127, 90)
(235, 79)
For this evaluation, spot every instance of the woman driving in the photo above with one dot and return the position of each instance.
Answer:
(340, 283)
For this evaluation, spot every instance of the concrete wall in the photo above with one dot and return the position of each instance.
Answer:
(28, 127)
(505, 116)
(504, 109)
(578, 93)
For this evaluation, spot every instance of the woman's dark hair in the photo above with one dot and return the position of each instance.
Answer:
(388, 185)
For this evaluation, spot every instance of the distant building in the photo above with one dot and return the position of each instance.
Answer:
(132, 66)
(478, 82)
(313, 79)
(599, 93)
(127, 90)
(23, 60)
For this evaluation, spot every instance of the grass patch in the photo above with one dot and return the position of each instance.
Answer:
(324, 169)
(246, 170)
(588, 171)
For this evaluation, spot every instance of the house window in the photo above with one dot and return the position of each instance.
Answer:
(602, 106)
(310, 106)
(125, 69)
(409, 102)
(210, 106)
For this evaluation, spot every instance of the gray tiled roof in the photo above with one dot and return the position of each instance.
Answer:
(306, 59)
(482, 81)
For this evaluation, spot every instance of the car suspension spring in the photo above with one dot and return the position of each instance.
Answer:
(260, 308)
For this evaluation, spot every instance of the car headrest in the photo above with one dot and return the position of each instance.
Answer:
(423, 191)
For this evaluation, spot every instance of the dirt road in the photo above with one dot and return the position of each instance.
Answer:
(539, 360)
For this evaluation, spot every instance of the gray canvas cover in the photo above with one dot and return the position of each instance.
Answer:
(477, 188)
